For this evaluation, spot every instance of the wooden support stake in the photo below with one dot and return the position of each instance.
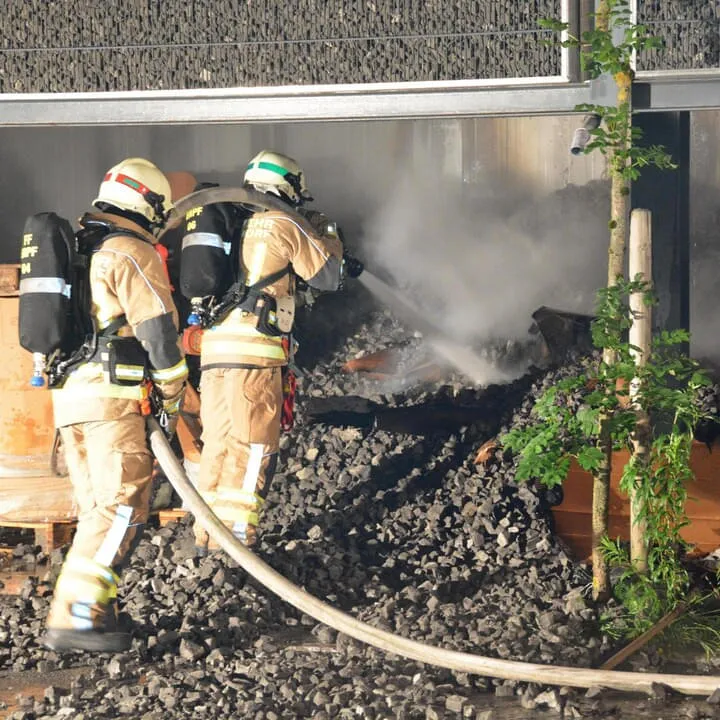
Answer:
(640, 336)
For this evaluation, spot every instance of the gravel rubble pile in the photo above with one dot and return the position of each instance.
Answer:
(403, 531)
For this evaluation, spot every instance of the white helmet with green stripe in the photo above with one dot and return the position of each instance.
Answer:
(279, 174)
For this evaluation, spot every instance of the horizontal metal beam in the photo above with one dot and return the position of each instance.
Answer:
(674, 90)
(545, 96)
(659, 91)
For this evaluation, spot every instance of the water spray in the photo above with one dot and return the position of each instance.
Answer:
(481, 371)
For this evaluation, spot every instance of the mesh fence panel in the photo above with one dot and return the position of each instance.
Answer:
(690, 30)
(146, 45)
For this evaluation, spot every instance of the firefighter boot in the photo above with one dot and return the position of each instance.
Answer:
(245, 532)
(83, 614)
(240, 512)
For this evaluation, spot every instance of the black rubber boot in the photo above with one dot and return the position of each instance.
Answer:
(109, 634)
(63, 640)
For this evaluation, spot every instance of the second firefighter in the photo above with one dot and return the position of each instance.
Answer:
(244, 353)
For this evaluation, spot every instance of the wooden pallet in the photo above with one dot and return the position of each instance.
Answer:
(48, 535)
(167, 516)
(54, 534)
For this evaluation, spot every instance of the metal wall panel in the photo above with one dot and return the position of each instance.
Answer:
(705, 234)
(354, 171)
(352, 167)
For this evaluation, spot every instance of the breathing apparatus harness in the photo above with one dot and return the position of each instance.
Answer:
(86, 340)
(248, 298)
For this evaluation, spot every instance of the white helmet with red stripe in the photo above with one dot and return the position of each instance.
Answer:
(138, 186)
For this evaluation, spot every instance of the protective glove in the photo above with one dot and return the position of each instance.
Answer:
(352, 266)
(170, 413)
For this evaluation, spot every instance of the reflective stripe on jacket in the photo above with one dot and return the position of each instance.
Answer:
(90, 380)
(235, 340)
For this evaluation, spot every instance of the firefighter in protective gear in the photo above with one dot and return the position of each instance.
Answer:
(242, 359)
(98, 409)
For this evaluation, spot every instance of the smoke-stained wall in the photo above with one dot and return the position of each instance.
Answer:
(453, 210)
(353, 168)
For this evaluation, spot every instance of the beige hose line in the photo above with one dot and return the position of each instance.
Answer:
(247, 196)
(451, 659)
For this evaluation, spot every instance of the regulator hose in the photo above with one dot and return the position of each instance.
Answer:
(451, 659)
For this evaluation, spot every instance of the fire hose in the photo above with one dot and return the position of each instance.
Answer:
(451, 659)
(248, 197)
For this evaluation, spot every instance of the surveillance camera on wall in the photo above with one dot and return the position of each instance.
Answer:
(581, 137)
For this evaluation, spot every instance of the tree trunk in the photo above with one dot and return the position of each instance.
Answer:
(600, 514)
(640, 256)
(619, 208)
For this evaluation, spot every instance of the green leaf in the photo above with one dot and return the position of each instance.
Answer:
(588, 420)
(553, 24)
(590, 458)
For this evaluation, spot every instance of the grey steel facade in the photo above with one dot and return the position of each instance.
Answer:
(234, 61)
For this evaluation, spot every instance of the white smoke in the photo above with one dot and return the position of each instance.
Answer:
(478, 272)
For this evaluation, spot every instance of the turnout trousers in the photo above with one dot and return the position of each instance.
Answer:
(110, 468)
(240, 414)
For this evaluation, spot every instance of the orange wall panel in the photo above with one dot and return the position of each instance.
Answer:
(573, 516)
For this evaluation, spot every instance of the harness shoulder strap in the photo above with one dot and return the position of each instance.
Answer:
(113, 327)
(269, 279)
(244, 296)
(239, 292)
